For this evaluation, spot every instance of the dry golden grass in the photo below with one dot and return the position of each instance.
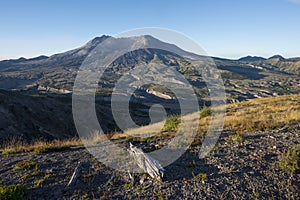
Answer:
(257, 114)
(18, 146)
(262, 114)
(252, 115)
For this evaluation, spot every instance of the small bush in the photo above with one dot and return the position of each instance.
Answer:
(290, 160)
(14, 192)
(159, 196)
(49, 176)
(85, 196)
(35, 173)
(129, 138)
(38, 182)
(8, 152)
(256, 195)
(238, 138)
(205, 112)
(201, 176)
(26, 164)
(26, 176)
(171, 124)
(128, 185)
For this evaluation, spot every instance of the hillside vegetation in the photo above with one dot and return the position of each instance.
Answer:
(259, 114)
(253, 115)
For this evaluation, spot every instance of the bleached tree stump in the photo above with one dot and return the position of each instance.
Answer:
(147, 163)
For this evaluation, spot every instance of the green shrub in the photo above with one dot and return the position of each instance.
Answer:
(238, 138)
(159, 196)
(290, 160)
(39, 182)
(8, 152)
(26, 164)
(12, 192)
(85, 196)
(26, 176)
(49, 176)
(35, 173)
(128, 185)
(129, 138)
(256, 195)
(200, 176)
(171, 124)
(205, 111)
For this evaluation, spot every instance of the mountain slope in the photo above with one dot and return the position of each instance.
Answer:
(247, 78)
(31, 118)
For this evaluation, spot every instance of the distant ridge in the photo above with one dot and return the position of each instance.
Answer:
(22, 59)
(277, 56)
(251, 59)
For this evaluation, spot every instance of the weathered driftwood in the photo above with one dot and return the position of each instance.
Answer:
(146, 163)
(75, 175)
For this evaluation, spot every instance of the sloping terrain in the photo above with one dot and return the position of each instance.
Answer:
(246, 163)
(33, 118)
(46, 117)
(38, 105)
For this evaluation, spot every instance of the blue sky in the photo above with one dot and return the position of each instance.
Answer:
(225, 28)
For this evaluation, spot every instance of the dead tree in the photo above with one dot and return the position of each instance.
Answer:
(147, 163)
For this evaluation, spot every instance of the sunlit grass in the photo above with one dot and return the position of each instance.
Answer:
(253, 115)
(17, 146)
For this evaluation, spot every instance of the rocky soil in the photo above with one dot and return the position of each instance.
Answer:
(238, 168)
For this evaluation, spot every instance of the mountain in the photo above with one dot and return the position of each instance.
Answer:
(35, 93)
(277, 57)
(251, 59)
(72, 58)
(246, 78)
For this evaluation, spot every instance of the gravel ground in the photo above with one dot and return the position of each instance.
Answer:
(244, 169)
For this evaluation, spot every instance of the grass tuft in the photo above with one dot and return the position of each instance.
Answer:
(12, 192)
(171, 124)
(38, 182)
(205, 111)
(128, 185)
(26, 165)
(238, 138)
(201, 176)
(290, 160)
